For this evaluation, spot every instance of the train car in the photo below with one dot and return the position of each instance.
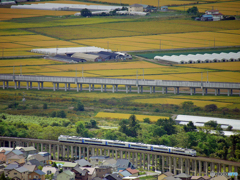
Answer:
(132, 145)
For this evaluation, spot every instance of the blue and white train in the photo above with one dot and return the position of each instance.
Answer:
(113, 143)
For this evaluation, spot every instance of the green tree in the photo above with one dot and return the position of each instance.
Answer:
(86, 12)
(189, 127)
(193, 10)
(81, 130)
(133, 126)
(147, 120)
(45, 106)
(79, 107)
(168, 125)
(61, 114)
(54, 165)
(53, 114)
(4, 117)
(3, 177)
(212, 124)
(40, 167)
(210, 107)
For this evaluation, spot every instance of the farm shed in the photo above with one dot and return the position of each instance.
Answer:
(164, 8)
(135, 8)
(201, 58)
(54, 51)
(200, 120)
(88, 57)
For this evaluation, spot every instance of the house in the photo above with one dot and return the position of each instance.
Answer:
(16, 158)
(91, 172)
(83, 163)
(135, 8)
(66, 175)
(134, 172)
(124, 173)
(183, 176)
(36, 175)
(4, 155)
(18, 173)
(80, 174)
(101, 171)
(207, 17)
(206, 177)
(217, 16)
(197, 178)
(98, 160)
(113, 177)
(10, 167)
(123, 164)
(27, 150)
(221, 178)
(163, 175)
(37, 157)
(46, 155)
(50, 170)
(69, 166)
(164, 8)
(34, 162)
(31, 168)
(171, 178)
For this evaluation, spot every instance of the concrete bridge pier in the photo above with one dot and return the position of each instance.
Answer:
(80, 87)
(130, 88)
(38, 85)
(69, 86)
(176, 90)
(57, 86)
(141, 89)
(138, 89)
(65, 86)
(150, 89)
(126, 88)
(153, 89)
(3, 84)
(54, 86)
(113, 89)
(41, 85)
(230, 92)
(218, 92)
(92, 87)
(105, 88)
(101, 87)
(30, 85)
(27, 86)
(89, 89)
(77, 87)
(116, 88)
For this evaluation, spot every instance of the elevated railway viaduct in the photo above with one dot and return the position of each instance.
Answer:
(140, 158)
(128, 83)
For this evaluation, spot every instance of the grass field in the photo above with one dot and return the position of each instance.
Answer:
(23, 62)
(126, 116)
(200, 103)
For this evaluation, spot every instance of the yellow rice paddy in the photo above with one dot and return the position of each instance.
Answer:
(126, 116)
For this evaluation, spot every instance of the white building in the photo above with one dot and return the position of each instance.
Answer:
(217, 16)
(135, 8)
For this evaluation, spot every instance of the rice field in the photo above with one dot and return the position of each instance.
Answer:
(199, 103)
(226, 8)
(28, 62)
(231, 66)
(126, 116)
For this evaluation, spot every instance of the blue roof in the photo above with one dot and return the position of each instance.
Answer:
(17, 152)
(39, 172)
(125, 173)
(207, 15)
(11, 166)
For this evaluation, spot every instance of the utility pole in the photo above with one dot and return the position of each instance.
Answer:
(82, 72)
(207, 76)
(20, 69)
(143, 74)
(160, 44)
(137, 74)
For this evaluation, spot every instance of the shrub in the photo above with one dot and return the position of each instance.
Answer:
(45, 106)
(35, 107)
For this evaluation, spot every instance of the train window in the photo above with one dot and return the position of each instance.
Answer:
(138, 146)
(87, 141)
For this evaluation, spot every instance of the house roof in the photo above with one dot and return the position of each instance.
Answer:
(11, 166)
(110, 162)
(82, 172)
(168, 174)
(83, 162)
(69, 164)
(125, 173)
(34, 162)
(39, 172)
(90, 170)
(171, 178)
(136, 5)
(206, 177)
(30, 148)
(220, 178)
(123, 163)
(38, 157)
(195, 177)
(113, 176)
(103, 167)
(68, 172)
(22, 169)
(183, 175)
(30, 167)
(45, 169)
(99, 157)
(16, 157)
(6, 149)
(213, 10)
(17, 152)
(132, 171)
(44, 154)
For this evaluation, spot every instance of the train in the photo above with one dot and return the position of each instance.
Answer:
(131, 145)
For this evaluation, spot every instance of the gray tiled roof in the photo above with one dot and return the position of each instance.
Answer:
(22, 169)
(11, 166)
(39, 172)
(83, 162)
